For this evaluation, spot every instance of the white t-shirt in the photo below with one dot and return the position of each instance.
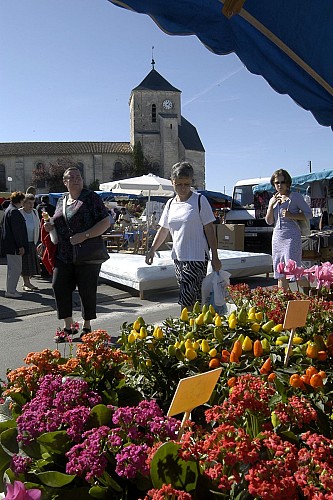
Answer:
(185, 223)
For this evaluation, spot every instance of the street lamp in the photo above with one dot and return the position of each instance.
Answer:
(9, 179)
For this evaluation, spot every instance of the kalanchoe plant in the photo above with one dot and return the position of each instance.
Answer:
(251, 455)
(89, 426)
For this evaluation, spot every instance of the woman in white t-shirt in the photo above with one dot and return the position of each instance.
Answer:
(189, 218)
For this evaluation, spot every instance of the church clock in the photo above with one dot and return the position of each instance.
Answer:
(167, 104)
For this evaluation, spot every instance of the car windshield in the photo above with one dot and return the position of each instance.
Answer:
(243, 198)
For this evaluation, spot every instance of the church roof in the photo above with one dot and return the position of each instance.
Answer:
(155, 81)
(59, 148)
(189, 136)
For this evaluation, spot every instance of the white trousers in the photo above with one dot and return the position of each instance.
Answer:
(14, 270)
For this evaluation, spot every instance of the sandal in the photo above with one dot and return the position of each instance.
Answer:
(62, 335)
(84, 332)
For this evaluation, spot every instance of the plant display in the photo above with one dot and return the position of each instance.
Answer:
(94, 425)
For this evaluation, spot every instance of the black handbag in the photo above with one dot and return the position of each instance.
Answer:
(90, 251)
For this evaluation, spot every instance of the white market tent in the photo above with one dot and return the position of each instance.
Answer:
(144, 185)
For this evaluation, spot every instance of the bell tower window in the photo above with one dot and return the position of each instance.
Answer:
(153, 113)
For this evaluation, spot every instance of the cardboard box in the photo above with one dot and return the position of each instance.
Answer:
(230, 236)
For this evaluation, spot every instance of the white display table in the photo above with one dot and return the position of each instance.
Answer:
(132, 271)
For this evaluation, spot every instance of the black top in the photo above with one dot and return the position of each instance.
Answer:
(81, 215)
(14, 232)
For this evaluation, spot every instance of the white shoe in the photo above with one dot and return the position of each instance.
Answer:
(29, 288)
(14, 295)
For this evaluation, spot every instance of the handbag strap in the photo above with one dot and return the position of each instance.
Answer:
(64, 203)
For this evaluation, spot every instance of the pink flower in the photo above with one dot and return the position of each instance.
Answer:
(291, 269)
(324, 275)
(17, 491)
(280, 267)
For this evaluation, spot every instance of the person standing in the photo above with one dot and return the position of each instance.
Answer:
(14, 243)
(153, 221)
(30, 263)
(80, 214)
(189, 218)
(284, 210)
(45, 206)
(124, 218)
(32, 190)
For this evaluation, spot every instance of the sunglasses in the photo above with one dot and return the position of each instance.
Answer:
(280, 182)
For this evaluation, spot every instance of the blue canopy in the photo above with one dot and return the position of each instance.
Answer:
(299, 181)
(288, 42)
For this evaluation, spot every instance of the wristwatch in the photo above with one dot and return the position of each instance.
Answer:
(87, 235)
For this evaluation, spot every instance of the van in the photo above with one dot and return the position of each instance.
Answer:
(250, 208)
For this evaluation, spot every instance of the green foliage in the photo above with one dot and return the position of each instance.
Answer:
(168, 468)
(141, 164)
(94, 186)
(150, 362)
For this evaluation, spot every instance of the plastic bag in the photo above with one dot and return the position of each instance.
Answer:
(214, 290)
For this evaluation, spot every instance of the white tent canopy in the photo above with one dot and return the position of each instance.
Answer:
(144, 185)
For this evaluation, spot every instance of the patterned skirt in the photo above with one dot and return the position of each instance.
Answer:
(30, 261)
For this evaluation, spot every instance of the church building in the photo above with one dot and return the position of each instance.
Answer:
(156, 122)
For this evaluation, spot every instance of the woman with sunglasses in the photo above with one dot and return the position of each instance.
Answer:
(284, 210)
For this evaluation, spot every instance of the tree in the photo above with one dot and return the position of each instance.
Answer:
(141, 164)
(94, 186)
(53, 174)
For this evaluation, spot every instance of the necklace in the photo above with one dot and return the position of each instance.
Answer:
(70, 201)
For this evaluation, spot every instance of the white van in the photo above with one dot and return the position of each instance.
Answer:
(250, 208)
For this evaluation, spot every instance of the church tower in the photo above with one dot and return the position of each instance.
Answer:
(165, 136)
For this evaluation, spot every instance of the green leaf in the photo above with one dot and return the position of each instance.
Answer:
(100, 415)
(290, 436)
(18, 398)
(33, 450)
(81, 493)
(55, 443)
(98, 491)
(129, 396)
(168, 468)
(4, 464)
(7, 424)
(55, 479)
(109, 481)
(8, 441)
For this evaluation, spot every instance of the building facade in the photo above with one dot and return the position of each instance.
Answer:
(156, 122)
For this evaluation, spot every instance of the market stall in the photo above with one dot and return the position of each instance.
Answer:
(318, 246)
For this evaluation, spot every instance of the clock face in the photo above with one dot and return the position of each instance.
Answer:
(167, 104)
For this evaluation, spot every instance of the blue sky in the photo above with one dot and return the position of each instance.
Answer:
(67, 68)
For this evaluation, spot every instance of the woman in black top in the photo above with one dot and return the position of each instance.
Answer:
(87, 217)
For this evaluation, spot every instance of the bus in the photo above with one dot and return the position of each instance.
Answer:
(249, 208)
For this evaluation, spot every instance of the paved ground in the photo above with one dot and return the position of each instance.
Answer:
(42, 301)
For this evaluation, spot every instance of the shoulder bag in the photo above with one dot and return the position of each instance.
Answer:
(304, 225)
(90, 251)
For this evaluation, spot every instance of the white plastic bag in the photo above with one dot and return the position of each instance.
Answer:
(214, 290)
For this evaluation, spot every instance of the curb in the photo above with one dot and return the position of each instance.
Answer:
(10, 313)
